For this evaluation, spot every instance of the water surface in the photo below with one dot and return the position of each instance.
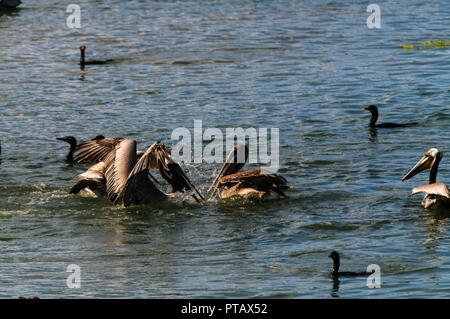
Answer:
(305, 68)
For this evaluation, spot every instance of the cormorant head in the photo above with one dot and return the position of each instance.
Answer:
(98, 137)
(334, 255)
(82, 48)
(372, 108)
(68, 139)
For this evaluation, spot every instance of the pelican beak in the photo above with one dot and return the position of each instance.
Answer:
(424, 163)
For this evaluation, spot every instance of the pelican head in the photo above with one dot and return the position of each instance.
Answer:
(431, 157)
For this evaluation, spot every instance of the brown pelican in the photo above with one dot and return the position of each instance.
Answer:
(374, 110)
(74, 147)
(94, 62)
(9, 4)
(251, 184)
(336, 264)
(93, 181)
(127, 177)
(436, 194)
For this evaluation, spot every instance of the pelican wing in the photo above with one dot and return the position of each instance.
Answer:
(96, 150)
(138, 188)
(170, 170)
(119, 163)
(438, 189)
(127, 180)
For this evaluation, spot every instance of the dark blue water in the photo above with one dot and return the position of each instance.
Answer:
(305, 68)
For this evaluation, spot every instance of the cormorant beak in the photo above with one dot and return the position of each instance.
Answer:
(62, 139)
(425, 163)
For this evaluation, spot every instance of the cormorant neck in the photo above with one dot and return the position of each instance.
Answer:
(335, 266)
(82, 62)
(434, 169)
(73, 145)
(373, 118)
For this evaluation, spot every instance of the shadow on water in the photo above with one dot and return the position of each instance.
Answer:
(373, 135)
(335, 289)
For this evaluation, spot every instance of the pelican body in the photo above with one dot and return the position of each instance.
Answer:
(93, 181)
(437, 195)
(250, 184)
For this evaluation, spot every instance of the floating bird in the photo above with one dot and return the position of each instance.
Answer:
(336, 264)
(94, 62)
(93, 181)
(374, 110)
(9, 4)
(127, 178)
(436, 194)
(74, 147)
(251, 184)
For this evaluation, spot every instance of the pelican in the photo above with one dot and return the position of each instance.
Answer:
(93, 181)
(436, 194)
(74, 147)
(94, 62)
(373, 119)
(126, 177)
(9, 4)
(250, 184)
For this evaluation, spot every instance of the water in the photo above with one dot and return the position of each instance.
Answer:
(306, 68)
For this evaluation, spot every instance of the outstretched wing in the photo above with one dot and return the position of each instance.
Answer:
(138, 189)
(95, 150)
(119, 162)
(170, 170)
(438, 189)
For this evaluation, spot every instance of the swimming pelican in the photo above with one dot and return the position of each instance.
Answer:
(373, 119)
(83, 62)
(74, 147)
(9, 4)
(127, 178)
(436, 194)
(251, 184)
